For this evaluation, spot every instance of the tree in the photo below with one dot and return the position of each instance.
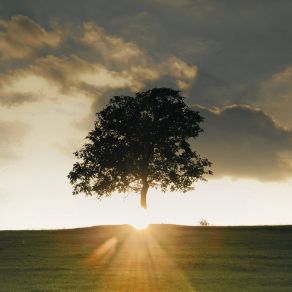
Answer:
(204, 223)
(140, 142)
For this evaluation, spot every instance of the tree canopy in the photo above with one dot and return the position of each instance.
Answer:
(139, 142)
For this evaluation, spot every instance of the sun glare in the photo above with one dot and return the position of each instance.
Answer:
(141, 220)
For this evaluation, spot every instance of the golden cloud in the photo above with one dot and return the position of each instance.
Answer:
(117, 64)
(21, 37)
(112, 48)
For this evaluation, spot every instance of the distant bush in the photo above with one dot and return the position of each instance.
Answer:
(204, 222)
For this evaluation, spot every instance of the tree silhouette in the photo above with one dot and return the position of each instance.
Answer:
(204, 223)
(140, 142)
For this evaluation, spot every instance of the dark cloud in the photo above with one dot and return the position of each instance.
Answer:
(234, 45)
(218, 52)
(275, 95)
(11, 136)
(117, 64)
(244, 142)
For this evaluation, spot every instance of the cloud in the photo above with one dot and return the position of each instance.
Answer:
(53, 77)
(182, 72)
(108, 62)
(112, 48)
(244, 142)
(235, 46)
(11, 136)
(117, 52)
(275, 95)
(21, 37)
(14, 98)
(200, 9)
(24, 85)
(72, 73)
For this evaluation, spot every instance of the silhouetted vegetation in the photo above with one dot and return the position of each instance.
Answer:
(204, 222)
(140, 142)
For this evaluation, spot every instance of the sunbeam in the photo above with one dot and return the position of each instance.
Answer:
(139, 264)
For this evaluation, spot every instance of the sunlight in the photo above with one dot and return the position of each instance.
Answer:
(103, 252)
(140, 263)
(141, 220)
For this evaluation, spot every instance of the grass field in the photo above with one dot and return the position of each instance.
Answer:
(161, 258)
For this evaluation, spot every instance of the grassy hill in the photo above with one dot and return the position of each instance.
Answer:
(162, 258)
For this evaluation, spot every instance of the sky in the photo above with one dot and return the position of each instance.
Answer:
(61, 61)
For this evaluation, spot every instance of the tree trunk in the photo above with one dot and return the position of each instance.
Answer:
(144, 194)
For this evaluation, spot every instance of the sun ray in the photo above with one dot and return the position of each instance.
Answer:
(147, 266)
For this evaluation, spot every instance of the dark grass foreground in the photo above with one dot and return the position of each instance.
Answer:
(163, 258)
